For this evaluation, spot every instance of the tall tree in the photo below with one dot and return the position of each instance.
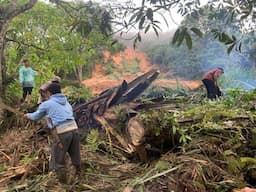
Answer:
(66, 41)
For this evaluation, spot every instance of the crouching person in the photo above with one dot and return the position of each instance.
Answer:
(64, 132)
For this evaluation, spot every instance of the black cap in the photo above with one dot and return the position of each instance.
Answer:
(220, 68)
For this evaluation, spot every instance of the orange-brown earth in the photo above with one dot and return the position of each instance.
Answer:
(128, 65)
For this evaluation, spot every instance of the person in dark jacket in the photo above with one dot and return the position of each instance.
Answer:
(63, 128)
(210, 82)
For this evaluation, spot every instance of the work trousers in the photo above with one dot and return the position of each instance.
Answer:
(26, 91)
(71, 145)
(213, 90)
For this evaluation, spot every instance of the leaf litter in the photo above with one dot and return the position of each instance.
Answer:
(216, 154)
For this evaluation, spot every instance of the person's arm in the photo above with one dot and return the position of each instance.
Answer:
(41, 112)
(21, 77)
(34, 73)
(217, 74)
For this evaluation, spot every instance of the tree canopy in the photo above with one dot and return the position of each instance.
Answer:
(209, 52)
(143, 18)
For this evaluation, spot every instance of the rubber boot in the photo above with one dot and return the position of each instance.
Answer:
(28, 99)
(62, 175)
(74, 175)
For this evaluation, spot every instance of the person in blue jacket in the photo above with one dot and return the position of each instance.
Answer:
(26, 78)
(63, 128)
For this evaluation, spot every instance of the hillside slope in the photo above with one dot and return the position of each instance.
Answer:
(127, 65)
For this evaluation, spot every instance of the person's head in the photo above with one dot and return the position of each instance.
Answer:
(218, 72)
(53, 88)
(56, 79)
(221, 69)
(26, 62)
(43, 92)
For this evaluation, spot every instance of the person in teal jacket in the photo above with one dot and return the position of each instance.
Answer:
(26, 78)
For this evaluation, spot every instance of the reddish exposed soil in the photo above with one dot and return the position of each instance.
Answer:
(128, 65)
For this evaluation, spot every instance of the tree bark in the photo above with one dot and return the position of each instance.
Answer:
(79, 73)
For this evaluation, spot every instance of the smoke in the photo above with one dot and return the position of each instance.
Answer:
(148, 40)
(239, 68)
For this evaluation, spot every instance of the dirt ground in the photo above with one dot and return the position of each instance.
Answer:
(100, 81)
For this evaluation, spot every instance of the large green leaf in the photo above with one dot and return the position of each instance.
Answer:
(176, 35)
(188, 40)
(149, 14)
(182, 36)
(197, 32)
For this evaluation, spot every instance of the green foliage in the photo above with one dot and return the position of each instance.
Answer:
(13, 93)
(114, 76)
(184, 136)
(209, 49)
(131, 66)
(231, 42)
(165, 92)
(46, 35)
(181, 61)
(245, 161)
(241, 98)
(26, 159)
(93, 140)
(3, 166)
(158, 121)
(210, 110)
(74, 93)
(109, 68)
(162, 165)
(144, 18)
(197, 32)
(182, 34)
(116, 47)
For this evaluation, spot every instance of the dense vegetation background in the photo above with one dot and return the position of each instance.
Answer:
(216, 139)
(208, 53)
(62, 42)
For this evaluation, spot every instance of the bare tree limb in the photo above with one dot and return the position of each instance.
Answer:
(22, 9)
(26, 44)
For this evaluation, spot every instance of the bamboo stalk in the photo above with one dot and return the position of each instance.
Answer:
(4, 106)
(7, 157)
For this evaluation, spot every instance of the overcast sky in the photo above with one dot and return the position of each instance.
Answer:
(173, 18)
(172, 25)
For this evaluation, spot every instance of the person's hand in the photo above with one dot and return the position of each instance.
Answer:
(60, 145)
(247, 189)
(25, 116)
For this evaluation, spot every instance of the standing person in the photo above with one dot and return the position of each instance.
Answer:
(64, 131)
(210, 82)
(26, 77)
(42, 90)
